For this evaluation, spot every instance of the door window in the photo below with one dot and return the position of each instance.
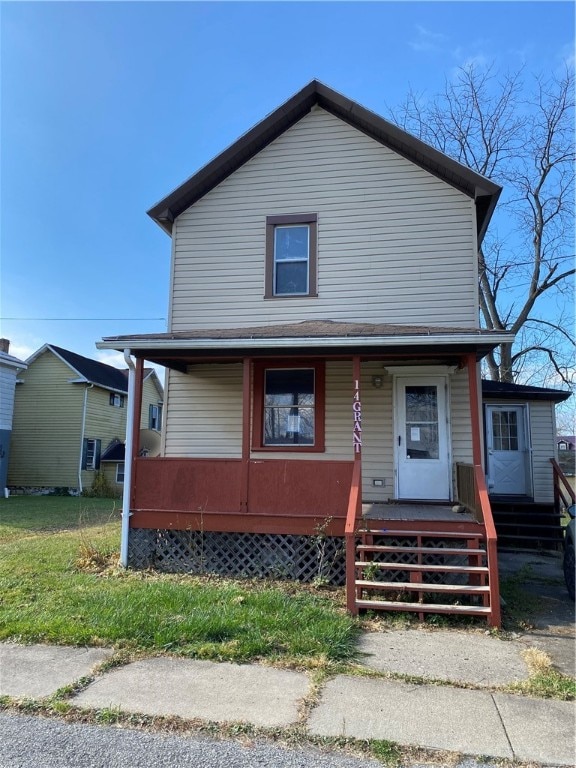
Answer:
(505, 430)
(421, 439)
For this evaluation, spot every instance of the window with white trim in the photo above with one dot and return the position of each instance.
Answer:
(116, 400)
(120, 472)
(91, 449)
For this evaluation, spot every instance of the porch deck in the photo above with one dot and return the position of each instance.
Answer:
(414, 512)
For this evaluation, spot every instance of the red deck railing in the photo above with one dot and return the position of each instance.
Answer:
(473, 494)
(563, 491)
(353, 513)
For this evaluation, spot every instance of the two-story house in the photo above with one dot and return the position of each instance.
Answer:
(68, 410)
(323, 352)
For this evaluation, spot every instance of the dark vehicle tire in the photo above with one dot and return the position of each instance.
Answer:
(569, 568)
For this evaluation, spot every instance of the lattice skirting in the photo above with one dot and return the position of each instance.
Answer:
(263, 555)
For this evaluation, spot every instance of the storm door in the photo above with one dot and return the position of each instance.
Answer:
(422, 451)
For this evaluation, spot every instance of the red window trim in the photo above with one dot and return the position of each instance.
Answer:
(260, 366)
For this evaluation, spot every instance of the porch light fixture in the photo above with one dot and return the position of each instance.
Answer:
(377, 381)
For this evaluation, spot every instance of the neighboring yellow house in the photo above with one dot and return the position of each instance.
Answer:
(68, 411)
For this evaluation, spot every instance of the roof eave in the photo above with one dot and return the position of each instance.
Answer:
(278, 121)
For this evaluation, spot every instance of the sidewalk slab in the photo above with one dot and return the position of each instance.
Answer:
(540, 730)
(35, 671)
(436, 717)
(204, 689)
(440, 655)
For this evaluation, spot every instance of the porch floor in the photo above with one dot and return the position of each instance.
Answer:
(414, 512)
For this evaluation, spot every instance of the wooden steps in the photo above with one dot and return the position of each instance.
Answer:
(527, 525)
(421, 571)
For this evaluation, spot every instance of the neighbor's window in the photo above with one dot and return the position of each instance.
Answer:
(291, 255)
(91, 449)
(116, 400)
(155, 417)
(120, 472)
(289, 407)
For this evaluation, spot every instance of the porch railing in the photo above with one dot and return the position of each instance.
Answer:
(473, 494)
(354, 510)
(563, 492)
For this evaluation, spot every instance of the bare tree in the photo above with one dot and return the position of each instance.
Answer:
(524, 141)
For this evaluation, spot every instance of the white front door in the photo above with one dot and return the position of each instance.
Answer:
(422, 451)
(507, 446)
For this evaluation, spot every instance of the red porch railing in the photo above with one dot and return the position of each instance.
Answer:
(353, 513)
(293, 496)
(473, 494)
(563, 491)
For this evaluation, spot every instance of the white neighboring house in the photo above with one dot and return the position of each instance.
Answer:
(9, 367)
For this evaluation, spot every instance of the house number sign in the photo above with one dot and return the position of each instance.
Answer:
(357, 411)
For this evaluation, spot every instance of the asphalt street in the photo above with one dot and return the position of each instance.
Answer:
(37, 742)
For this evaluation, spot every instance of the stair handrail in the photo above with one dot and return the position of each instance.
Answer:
(560, 478)
(485, 510)
(352, 514)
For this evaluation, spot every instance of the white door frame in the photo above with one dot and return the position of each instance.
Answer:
(420, 375)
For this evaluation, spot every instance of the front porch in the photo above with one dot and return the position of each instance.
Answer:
(278, 505)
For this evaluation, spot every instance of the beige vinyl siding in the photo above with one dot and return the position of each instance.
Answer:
(377, 434)
(395, 243)
(543, 442)
(45, 445)
(460, 417)
(203, 417)
(109, 471)
(7, 384)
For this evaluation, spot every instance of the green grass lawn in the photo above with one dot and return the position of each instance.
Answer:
(60, 583)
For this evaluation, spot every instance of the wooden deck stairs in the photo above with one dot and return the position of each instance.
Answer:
(428, 570)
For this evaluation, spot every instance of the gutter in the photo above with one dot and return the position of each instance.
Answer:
(128, 450)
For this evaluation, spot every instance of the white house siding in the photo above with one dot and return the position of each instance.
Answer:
(45, 441)
(204, 420)
(7, 384)
(395, 243)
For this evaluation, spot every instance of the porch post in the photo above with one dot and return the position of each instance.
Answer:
(474, 408)
(246, 371)
(137, 416)
(355, 499)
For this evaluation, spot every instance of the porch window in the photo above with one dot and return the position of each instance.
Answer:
(291, 255)
(505, 430)
(289, 407)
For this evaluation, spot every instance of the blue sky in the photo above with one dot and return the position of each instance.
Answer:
(107, 106)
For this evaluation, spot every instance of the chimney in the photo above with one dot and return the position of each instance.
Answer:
(4, 345)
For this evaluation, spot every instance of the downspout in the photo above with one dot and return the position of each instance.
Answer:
(82, 432)
(127, 492)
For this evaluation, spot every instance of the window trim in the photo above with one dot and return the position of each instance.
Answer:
(116, 396)
(291, 219)
(158, 407)
(260, 368)
(118, 465)
(94, 465)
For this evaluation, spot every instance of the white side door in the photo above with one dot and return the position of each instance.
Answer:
(508, 452)
(422, 449)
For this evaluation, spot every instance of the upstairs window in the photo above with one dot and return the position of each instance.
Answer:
(116, 400)
(291, 255)
(289, 407)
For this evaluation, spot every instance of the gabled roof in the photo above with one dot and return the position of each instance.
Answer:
(91, 371)
(507, 391)
(479, 188)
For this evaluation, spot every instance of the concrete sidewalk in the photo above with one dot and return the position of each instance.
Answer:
(472, 722)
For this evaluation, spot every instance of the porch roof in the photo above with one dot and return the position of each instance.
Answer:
(319, 337)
